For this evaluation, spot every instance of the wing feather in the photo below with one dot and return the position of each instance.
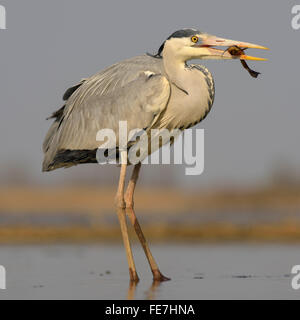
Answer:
(134, 90)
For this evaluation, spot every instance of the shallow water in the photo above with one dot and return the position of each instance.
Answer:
(197, 272)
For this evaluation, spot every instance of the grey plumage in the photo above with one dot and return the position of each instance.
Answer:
(138, 90)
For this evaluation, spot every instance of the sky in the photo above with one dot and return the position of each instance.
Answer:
(50, 45)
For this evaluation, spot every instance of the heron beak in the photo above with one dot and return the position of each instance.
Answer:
(210, 42)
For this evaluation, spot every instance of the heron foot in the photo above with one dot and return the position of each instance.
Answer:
(159, 277)
(134, 278)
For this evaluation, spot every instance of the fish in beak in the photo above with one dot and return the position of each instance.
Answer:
(234, 50)
(212, 41)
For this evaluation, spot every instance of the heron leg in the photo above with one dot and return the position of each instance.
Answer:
(121, 210)
(129, 200)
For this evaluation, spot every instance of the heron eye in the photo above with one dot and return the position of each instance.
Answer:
(195, 39)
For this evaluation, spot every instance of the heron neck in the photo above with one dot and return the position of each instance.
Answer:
(175, 69)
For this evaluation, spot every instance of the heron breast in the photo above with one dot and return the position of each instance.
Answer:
(185, 110)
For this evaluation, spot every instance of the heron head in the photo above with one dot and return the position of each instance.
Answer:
(188, 44)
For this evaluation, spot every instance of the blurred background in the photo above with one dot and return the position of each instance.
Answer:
(250, 188)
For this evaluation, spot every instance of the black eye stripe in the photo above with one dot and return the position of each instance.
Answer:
(184, 33)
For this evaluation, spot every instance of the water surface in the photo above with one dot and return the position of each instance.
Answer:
(197, 272)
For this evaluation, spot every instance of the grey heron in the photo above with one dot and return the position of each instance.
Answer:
(160, 91)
